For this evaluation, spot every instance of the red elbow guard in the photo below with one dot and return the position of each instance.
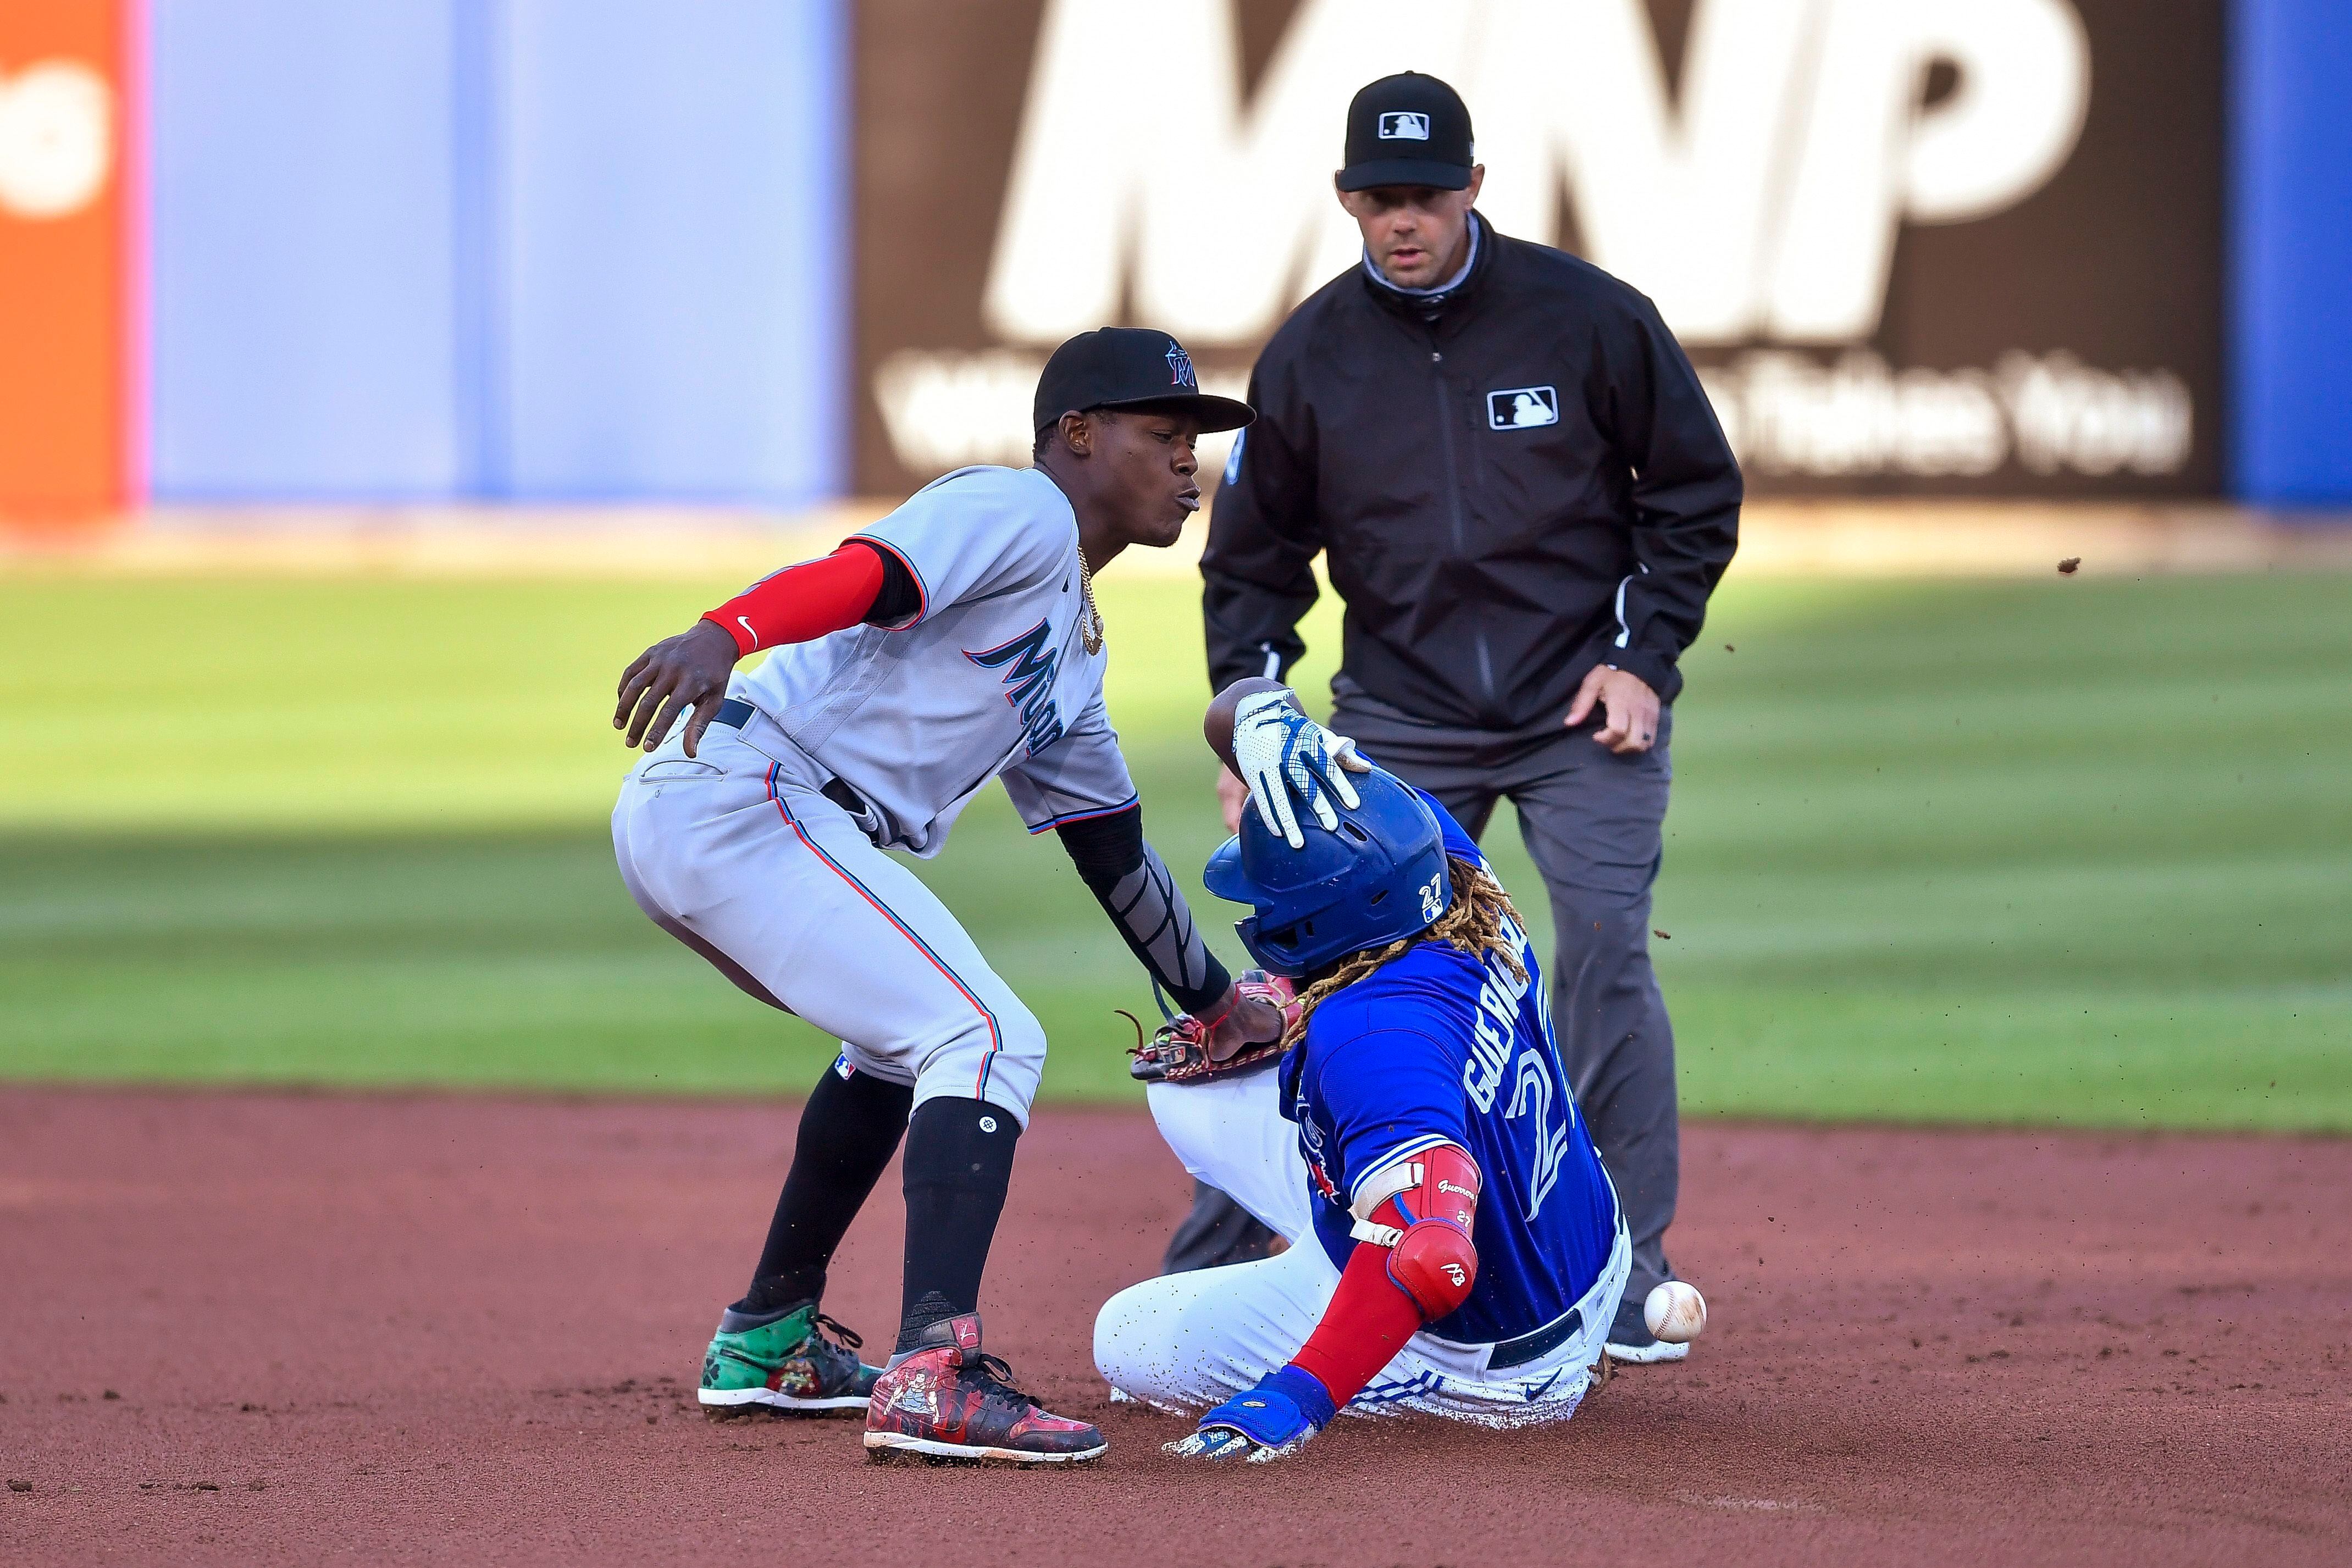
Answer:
(1389, 1289)
(1435, 1261)
(1436, 1266)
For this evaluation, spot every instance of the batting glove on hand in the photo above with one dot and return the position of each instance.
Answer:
(1281, 753)
(1272, 1421)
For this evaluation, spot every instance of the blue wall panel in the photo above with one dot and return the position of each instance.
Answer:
(546, 249)
(2292, 251)
(673, 247)
(302, 263)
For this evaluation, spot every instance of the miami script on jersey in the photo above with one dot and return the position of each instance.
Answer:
(764, 852)
(989, 677)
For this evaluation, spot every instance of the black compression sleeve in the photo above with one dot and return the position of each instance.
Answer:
(1135, 889)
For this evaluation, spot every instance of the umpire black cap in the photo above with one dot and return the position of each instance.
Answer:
(1408, 129)
(1129, 367)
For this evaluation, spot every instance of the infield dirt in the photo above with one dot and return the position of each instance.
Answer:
(287, 1328)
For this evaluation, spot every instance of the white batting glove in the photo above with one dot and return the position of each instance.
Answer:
(1283, 753)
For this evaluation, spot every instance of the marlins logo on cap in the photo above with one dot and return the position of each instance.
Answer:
(1120, 367)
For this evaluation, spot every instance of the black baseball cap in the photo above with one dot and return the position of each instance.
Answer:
(1129, 367)
(1408, 129)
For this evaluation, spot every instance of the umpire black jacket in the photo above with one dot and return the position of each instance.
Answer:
(1519, 486)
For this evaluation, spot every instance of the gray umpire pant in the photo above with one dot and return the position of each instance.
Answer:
(1593, 823)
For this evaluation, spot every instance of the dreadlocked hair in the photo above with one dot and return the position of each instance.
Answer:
(1472, 924)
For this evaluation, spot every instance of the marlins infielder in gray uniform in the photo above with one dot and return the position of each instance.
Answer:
(953, 642)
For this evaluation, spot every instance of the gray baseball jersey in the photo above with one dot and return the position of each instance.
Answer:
(989, 678)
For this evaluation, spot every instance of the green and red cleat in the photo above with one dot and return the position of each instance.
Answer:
(949, 1402)
(803, 1364)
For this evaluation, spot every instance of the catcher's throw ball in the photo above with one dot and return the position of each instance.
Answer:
(1676, 1313)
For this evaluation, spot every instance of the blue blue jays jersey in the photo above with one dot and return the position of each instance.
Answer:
(1437, 1047)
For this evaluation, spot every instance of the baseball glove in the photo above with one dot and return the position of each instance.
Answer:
(1188, 1048)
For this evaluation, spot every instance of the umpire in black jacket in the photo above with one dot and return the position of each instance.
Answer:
(1522, 496)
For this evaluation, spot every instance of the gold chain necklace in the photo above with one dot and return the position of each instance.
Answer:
(1090, 630)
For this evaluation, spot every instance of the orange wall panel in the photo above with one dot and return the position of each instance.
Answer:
(65, 116)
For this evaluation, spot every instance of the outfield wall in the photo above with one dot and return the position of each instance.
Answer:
(771, 252)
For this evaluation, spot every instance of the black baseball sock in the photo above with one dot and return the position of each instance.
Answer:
(958, 1164)
(848, 1132)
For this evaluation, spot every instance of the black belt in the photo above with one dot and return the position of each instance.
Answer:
(1534, 1347)
(735, 713)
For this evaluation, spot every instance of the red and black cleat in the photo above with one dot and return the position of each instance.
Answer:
(949, 1401)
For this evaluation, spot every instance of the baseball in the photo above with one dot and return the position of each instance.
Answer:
(1676, 1313)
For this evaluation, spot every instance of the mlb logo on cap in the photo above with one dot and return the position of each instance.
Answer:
(1408, 129)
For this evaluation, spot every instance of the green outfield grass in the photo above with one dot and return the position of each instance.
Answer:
(2067, 852)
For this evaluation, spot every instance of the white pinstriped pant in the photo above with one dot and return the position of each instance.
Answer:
(738, 855)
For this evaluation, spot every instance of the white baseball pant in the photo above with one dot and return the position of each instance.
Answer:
(739, 856)
(1185, 1342)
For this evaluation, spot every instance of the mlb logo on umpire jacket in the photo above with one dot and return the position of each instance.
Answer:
(1519, 408)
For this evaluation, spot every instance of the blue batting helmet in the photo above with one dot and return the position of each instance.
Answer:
(1382, 875)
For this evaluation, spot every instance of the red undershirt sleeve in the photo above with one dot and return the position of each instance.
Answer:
(1368, 1322)
(803, 602)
